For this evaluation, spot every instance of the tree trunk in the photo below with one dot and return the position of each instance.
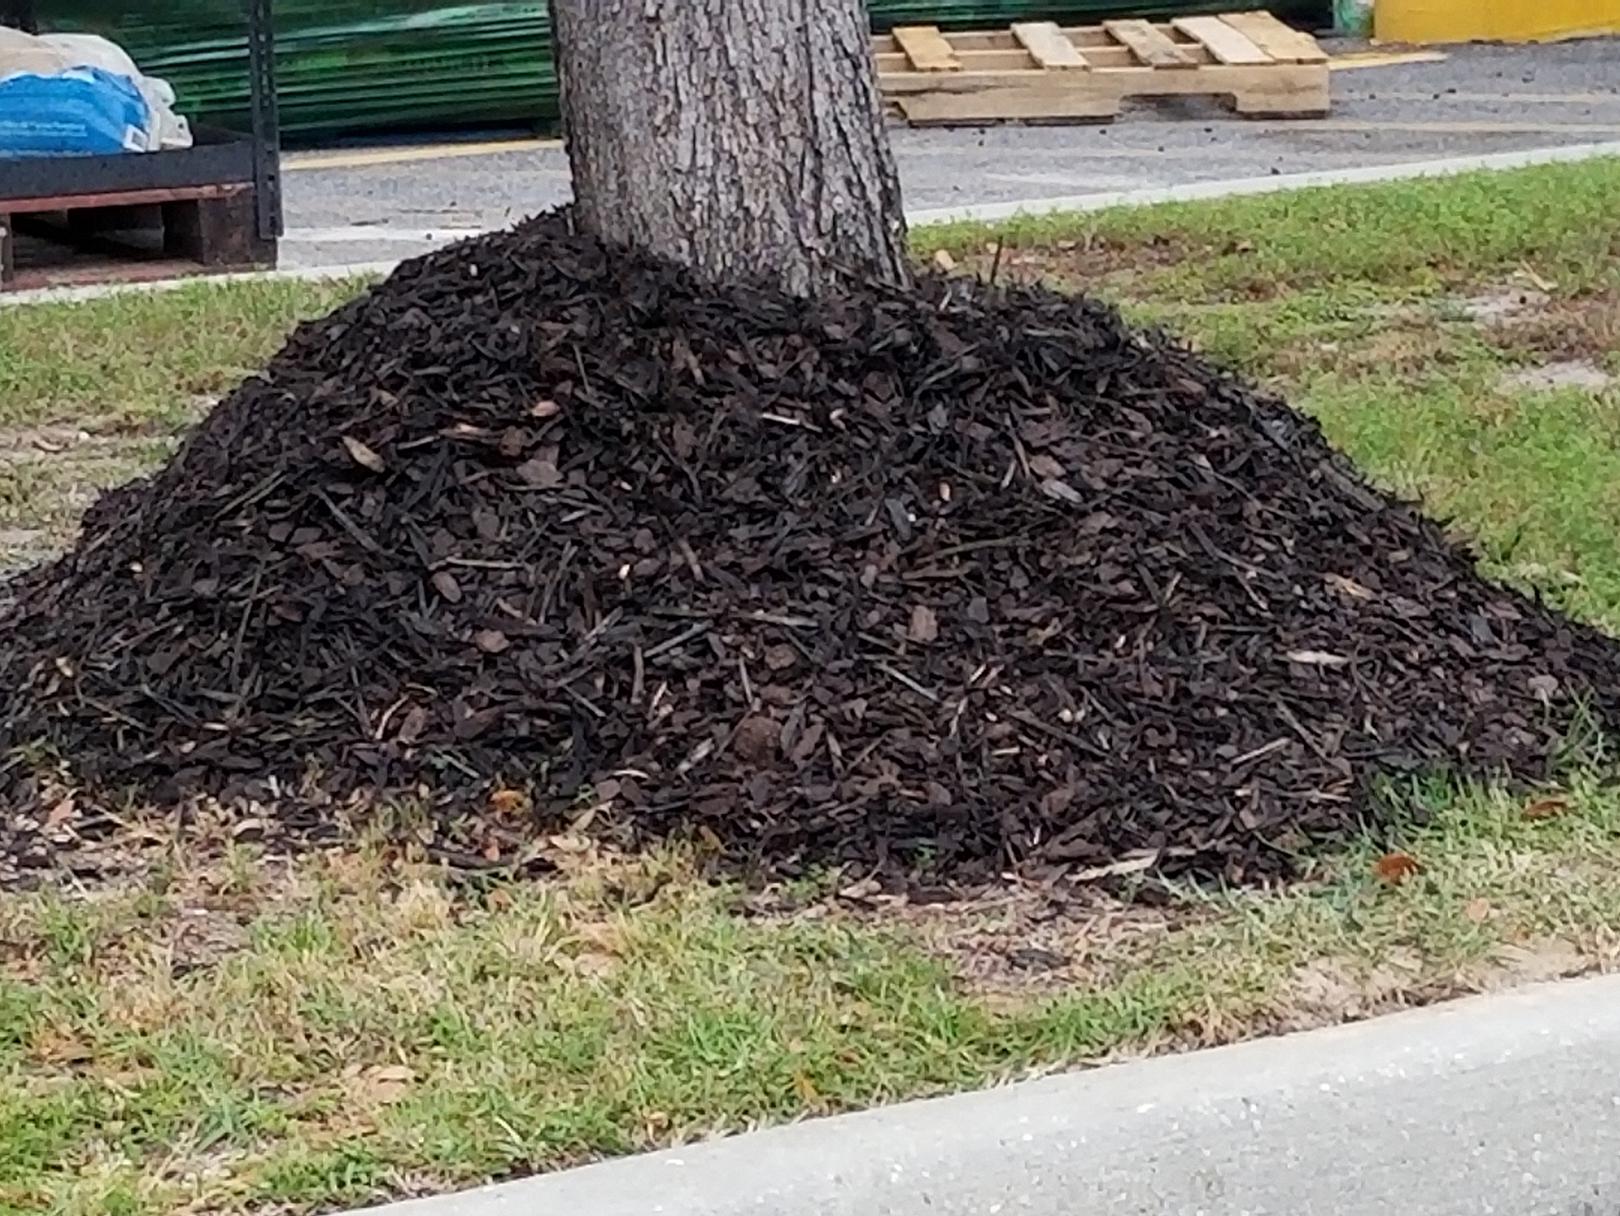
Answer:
(742, 137)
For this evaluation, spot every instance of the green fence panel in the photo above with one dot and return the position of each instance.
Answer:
(350, 66)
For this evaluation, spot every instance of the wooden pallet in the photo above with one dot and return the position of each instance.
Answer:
(1040, 71)
(130, 235)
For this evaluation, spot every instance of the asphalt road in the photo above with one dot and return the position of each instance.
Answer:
(382, 203)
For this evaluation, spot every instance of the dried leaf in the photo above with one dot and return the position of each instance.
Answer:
(1130, 865)
(1548, 806)
(1347, 585)
(1043, 465)
(1317, 658)
(491, 641)
(924, 624)
(363, 456)
(1542, 959)
(805, 1088)
(539, 473)
(1054, 487)
(445, 584)
(386, 1084)
(508, 802)
(1478, 910)
(944, 260)
(1396, 868)
(60, 813)
(780, 656)
(1544, 686)
(415, 722)
(544, 409)
(594, 966)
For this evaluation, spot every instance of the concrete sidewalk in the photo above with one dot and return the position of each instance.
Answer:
(1504, 1104)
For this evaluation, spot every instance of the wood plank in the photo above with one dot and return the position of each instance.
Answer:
(1223, 42)
(1281, 42)
(121, 198)
(927, 49)
(1149, 45)
(1049, 46)
(1025, 103)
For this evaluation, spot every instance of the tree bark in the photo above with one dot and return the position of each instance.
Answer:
(744, 138)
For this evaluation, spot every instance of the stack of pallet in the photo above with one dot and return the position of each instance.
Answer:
(1040, 71)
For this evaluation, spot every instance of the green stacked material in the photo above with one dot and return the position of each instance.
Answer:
(342, 65)
(348, 66)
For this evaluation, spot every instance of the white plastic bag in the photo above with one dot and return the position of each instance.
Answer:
(54, 54)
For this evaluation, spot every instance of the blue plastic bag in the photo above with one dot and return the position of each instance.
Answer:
(83, 111)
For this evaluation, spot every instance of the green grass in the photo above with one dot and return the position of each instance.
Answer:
(246, 1035)
(1417, 234)
(238, 1034)
(139, 362)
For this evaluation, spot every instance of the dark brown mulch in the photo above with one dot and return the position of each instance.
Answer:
(933, 583)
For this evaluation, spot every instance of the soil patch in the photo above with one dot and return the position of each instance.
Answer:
(928, 584)
(1565, 373)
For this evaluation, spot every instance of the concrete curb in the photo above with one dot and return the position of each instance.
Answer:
(1193, 191)
(1502, 1104)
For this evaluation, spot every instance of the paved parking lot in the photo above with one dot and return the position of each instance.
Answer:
(386, 202)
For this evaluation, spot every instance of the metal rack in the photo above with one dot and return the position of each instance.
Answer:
(211, 207)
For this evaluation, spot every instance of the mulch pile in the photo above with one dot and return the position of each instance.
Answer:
(930, 583)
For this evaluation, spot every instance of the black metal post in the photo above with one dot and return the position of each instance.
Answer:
(19, 14)
(261, 41)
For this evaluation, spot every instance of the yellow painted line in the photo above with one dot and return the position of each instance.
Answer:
(1381, 59)
(1445, 128)
(297, 161)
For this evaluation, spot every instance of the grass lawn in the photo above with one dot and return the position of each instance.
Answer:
(241, 1033)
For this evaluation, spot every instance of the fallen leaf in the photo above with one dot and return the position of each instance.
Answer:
(1131, 865)
(944, 260)
(363, 456)
(924, 625)
(1043, 465)
(594, 966)
(1544, 958)
(1054, 487)
(1478, 910)
(508, 802)
(1347, 585)
(1548, 806)
(445, 584)
(410, 730)
(387, 1083)
(781, 656)
(544, 409)
(541, 474)
(1545, 687)
(805, 1088)
(602, 937)
(1542, 284)
(1396, 868)
(1317, 658)
(60, 813)
(491, 641)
